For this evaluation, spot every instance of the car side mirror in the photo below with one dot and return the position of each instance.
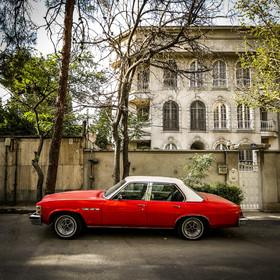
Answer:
(119, 197)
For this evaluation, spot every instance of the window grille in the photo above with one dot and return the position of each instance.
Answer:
(170, 116)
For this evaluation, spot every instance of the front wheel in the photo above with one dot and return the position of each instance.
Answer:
(67, 225)
(191, 228)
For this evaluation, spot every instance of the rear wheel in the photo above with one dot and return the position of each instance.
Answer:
(67, 225)
(191, 228)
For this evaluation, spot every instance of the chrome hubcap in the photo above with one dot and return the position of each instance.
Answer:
(192, 228)
(66, 226)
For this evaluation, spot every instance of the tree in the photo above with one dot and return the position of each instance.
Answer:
(15, 22)
(146, 32)
(197, 167)
(20, 31)
(33, 81)
(13, 122)
(263, 53)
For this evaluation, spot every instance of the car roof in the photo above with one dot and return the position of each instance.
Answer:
(190, 194)
(157, 179)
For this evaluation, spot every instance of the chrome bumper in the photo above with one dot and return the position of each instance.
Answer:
(242, 221)
(35, 219)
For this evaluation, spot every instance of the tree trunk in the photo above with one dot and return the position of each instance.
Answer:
(117, 153)
(126, 163)
(35, 164)
(59, 113)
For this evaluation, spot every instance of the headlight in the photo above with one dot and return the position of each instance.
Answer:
(38, 210)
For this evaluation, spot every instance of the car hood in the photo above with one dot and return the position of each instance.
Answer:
(215, 198)
(74, 195)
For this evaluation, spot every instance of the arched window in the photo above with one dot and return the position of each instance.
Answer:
(221, 147)
(197, 145)
(243, 117)
(219, 74)
(198, 116)
(243, 76)
(197, 75)
(170, 116)
(170, 74)
(220, 116)
(171, 146)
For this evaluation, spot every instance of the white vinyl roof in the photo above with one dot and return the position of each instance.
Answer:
(190, 194)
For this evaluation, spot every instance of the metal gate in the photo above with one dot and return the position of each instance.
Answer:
(250, 183)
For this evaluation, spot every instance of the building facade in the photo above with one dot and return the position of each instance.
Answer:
(198, 111)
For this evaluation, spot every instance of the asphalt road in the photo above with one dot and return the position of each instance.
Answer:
(34, 252)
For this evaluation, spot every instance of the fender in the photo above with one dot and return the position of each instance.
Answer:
(191, 215)
(53, 212)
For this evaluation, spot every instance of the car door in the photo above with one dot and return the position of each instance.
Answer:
(127, 208)
(166, 204)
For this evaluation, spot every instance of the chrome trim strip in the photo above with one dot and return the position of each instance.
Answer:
(90, 209)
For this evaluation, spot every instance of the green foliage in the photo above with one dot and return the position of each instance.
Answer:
(136, 123)
(13, 122)
(225, 190)
(197, 167)
(102, 128)
(263, 55)
(33, 82)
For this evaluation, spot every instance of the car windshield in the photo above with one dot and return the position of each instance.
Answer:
(113, 189)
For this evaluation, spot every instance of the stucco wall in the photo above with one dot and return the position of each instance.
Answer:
(81, 169)
(154, 163)
(70, 170)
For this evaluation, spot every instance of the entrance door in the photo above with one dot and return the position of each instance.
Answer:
(250, 183)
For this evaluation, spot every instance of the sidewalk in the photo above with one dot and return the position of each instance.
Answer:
(17, 209)
(26, 209)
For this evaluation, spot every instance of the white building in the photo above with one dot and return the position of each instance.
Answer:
(199, 112)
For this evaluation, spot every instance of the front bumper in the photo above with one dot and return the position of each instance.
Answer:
(35, 219)
(242, 221)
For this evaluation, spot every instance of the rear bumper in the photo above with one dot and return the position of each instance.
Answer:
(35, 219)
(242, 221)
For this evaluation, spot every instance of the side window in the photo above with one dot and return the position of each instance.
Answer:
(133, 191)
(166, 192)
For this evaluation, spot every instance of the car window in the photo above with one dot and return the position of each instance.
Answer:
(114, 188)
(133, 191)
(166, 192)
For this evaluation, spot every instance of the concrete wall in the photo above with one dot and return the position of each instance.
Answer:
(82, 169)
(70, 170)
(271, 180)
(155, 163)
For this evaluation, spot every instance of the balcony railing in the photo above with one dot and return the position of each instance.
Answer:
(220, 124)
(269, 125)
(244, 124)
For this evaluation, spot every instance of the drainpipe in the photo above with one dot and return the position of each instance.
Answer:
(91, 178)
(15, 177)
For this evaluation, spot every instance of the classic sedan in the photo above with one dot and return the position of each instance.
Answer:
(139, 202)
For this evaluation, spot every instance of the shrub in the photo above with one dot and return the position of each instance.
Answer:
(225, 190)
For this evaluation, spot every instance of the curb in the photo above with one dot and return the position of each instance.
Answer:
(17, 210)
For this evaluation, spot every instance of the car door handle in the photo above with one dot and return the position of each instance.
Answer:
(141, 205)
(176, 206)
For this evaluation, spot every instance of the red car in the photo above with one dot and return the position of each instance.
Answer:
(140, 201)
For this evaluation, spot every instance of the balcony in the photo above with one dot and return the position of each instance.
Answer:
(269, 128)
(139, 98)
(244, 124)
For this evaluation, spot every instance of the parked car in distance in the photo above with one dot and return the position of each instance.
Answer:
(138, 202)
